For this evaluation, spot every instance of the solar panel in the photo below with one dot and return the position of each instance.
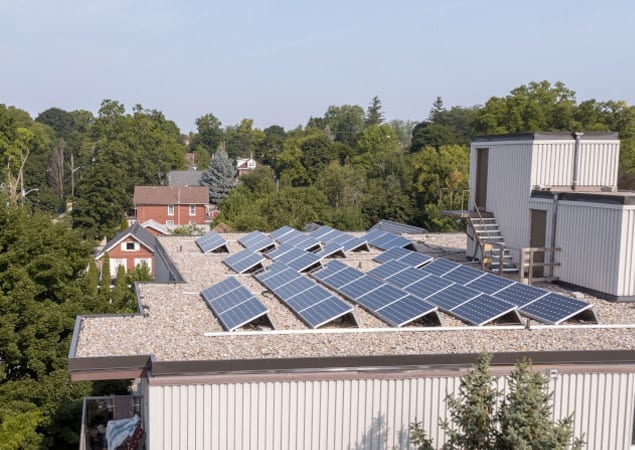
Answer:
(232, 259)
(331, 268)
(406, 277)
(520, 294)
(396, 227)
(277, 234)
(331, 236)
(405, 310)
(232, 304)
(293, 288)
(281, 250)
(380, 297)
(308, 298)
(257, 241)
(330, 249)
(242, 314)
(388, 240)
(415, 259)
(463, 274)
(428, 286)
(281, 278)
(490, 283)
(452, 296)
(388, 269)
(326, 311)
(360, 287)
(483, 309)
(440, 266)
(302, 242)
(318, 233)
(305, 262)
(342, 278)
(210, 242)
(554, 308)
(217, 290)
(354, 243)
(391, 253)
(290, 255)
(248, 262)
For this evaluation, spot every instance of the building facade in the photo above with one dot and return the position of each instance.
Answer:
(171, 205)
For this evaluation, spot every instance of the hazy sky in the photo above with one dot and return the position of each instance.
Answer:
(280, 62)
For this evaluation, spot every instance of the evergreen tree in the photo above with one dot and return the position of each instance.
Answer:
(374, 115)
(219, 177)
(105, 278)
(92, 279)
(120, 290)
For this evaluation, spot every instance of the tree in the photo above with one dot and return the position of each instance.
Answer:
(219, 177)
(523, 420)
(343, 123)
(374, 115)
(210, 133)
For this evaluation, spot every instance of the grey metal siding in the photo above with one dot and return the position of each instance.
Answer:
(626, 283)
(359, 413)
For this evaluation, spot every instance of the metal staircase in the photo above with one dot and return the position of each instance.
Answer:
(490, 243)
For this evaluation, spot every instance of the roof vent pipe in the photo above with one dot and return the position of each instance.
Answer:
(576, 159)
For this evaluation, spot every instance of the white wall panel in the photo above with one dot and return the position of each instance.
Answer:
(359, 413)
(626, 283)
(589, 235)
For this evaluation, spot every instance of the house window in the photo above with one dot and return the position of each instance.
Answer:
(114, 266)
(169, 222)
(192, 222)
(141, 261)
(129, 246)
(251, 164)
(192, 210)
(170, 210)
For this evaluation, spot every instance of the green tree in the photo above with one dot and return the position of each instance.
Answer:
(119, 292)
(105, 279)
(374, 114)
(317, 152)
(219, 177)
(343, 123)
(210, 133)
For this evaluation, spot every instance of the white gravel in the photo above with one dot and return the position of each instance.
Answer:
(176, 320)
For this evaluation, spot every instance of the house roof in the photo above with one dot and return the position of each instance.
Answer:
(135, 231)
(546, 136)
(243, 163)
(185, 331)
(185, 177)
(168, 195)
(161, 228)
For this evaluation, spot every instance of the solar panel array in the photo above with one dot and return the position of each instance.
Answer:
(532, 302)
(257, 241)
(409, 257)
(332, 236)
(233, 304)
(295, 258)
(330, 249)
(244, 261)
(389, 303)
(396, 227)
(211, 241)
(384, 240)
(291, 236)
(313, 304)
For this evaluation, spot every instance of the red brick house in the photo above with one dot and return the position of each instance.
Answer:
(171, 205)
(245, 165)
(130, 248)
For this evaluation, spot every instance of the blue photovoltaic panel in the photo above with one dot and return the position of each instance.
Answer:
(482, 309)
(301, 241)
(331, 268)
(440, 266)
(217, 290)
(373, 235)
(325, 311)
(342, 278)
(397, 227)
(406, 277)
(388, 269)
(323, 230)
(388, 240)
(554, 308)
(428, 286)
(271, 270)
(329, 250)
(520, 294)
(247, 263)
(490, 283)
(210, 242)
(233, 259)
(308, 298)
(278, 252)
(360, 287)
(242, 314)
(415, 259)
(452, 296)
(304, 262)
(281, 278)
(277, 234)
(230, 299)
(289, 234)
(331, 236)
(463, 274)
(405, 310)
(380, 297)
(293, 288)
(257, 241)
(290, 255)
(354, 243)
(391, 253)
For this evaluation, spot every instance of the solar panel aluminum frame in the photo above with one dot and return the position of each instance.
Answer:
(220, 242)
(343, 312)
(513, 310)
(587, 310)
(388, 319)
(222, 317)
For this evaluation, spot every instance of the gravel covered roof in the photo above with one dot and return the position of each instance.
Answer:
(178, 325)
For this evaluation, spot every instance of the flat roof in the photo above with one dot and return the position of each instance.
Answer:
(547, 136)
(177, 326)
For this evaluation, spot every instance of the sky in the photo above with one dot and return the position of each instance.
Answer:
(280, 62)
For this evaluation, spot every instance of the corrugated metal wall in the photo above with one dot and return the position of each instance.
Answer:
(360, 413)
(626, 284)
(589, 235)
(552, 163)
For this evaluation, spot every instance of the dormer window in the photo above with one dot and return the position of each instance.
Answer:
(170, 210)
(129, 246)
(251, 164)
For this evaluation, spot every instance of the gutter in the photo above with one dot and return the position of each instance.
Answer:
(576, 159)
